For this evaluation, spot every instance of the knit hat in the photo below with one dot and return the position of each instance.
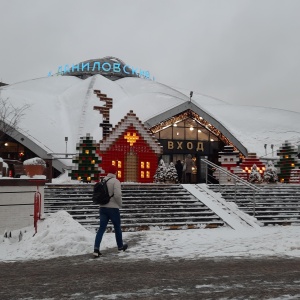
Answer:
(112, 170)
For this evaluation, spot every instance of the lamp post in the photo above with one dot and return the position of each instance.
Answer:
(272, 146)
(265, 148)
(191, 95)
(66, 140)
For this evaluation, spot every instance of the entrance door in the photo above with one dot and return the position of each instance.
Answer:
(131, 167)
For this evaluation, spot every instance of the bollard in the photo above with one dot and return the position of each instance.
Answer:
(37, 209)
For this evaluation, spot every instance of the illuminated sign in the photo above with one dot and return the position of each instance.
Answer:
(104, 67)
(187, 146)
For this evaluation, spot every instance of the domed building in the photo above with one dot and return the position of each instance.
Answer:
(61, 110)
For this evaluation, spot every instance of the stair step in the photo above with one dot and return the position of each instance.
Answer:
(274, 204)
(143, 206)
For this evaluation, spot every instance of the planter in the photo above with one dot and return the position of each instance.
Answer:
(34, 166)
(32, 170)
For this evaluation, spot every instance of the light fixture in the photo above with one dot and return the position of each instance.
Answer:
(131, 139)
(177, 133)
(199, 130)
(175, 125)
(191, 128)
(6, 144)
(211, 140)
(191, 95)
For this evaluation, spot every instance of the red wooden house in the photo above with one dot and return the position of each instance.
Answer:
(132, 148)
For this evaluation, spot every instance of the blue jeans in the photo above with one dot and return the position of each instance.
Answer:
(106, 214)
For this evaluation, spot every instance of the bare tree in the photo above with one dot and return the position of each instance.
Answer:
(10, 117)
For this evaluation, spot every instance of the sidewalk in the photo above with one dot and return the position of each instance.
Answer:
(114, 276)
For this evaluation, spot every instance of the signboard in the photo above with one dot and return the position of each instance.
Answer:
(103, 67)
(186, 146)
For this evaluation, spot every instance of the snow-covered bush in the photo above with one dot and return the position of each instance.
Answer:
(254, 176)
(270, 173)
(160, 173)
(171, 173)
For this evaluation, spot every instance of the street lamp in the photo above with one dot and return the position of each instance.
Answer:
(66, 140)
(191, 95)
(272, 146)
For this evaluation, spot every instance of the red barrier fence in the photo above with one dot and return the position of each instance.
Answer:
(37, 208)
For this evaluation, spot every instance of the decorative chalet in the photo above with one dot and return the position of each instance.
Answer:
(133, 149)
(228, 158)
(251, 160)
(295, 176)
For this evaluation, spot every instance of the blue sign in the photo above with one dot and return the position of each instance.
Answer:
(104, 67)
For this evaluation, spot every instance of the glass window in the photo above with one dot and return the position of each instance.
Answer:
(166, 133)
(179, 124)
(202, 134)
(191, 133)
(190, 122)
(178, 133)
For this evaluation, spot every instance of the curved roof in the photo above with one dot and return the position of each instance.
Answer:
(62, 106)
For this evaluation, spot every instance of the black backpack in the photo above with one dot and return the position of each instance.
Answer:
(100, 193)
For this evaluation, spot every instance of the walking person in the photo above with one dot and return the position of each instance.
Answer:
(179, 168)
(111, 211)
(189, 164)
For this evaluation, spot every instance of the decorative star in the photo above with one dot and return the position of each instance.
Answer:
(131, 139)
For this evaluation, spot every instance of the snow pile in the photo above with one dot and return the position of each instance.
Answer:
(60, 235)
(34, 161)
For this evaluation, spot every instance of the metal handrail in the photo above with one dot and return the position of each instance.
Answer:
(235, 178)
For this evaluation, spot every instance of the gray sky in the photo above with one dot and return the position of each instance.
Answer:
(240, 51)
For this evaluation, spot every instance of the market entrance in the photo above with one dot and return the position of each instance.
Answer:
(188, 136)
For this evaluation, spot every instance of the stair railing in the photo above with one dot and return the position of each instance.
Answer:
(209, 179)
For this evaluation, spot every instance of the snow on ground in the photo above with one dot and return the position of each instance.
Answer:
(60, 235)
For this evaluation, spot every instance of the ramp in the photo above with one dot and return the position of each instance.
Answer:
(227, 211)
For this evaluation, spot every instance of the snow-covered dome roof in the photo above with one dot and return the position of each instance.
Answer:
(62, 106)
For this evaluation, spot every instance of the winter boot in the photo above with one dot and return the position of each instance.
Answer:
(96, 253)
(125, 246)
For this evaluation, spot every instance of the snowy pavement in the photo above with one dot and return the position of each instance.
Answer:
(221, 263)
(59, 235)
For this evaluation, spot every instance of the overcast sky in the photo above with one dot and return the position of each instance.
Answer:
(240, 51)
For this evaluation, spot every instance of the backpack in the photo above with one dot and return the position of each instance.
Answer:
(100, 193)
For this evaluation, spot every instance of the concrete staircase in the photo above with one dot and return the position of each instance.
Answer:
(145, 206)
(274, 203)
